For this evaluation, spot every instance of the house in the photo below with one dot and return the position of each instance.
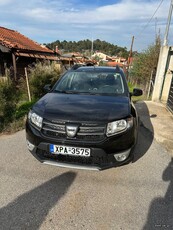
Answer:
(69, 59)
(102, 56)
(17, 52)
(119, 60)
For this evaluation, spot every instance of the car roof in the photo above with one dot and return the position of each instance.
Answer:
(98, 68)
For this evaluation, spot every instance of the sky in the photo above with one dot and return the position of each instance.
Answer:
(114, 21)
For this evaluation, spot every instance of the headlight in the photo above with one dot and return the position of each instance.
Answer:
(116, 127)
(35, 119)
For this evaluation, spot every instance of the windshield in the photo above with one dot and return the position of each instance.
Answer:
(104, 83)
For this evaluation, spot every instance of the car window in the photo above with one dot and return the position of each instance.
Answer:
(91, 83)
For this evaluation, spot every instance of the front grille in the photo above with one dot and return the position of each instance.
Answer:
(86, 131)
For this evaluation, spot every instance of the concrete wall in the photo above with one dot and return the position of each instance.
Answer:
(161, 68)
(166, 87)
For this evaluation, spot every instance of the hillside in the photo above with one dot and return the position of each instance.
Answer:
(84, 46)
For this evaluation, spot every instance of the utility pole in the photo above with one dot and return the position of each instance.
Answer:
(131, 48)
(165, 43)
(156, 27)
(130, 55)
(91, 47)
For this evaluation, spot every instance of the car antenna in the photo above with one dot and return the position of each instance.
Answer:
(117, 67)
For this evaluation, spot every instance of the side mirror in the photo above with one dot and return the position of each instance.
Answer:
(136, 92)
(47, 88)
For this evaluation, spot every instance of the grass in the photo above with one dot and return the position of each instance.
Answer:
(23, 109)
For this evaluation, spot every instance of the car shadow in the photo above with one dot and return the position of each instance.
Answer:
(146, 131)
(160, 215)
(29, 210)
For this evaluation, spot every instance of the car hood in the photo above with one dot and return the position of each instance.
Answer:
(73, 107)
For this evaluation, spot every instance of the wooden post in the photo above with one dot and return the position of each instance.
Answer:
(27, 84)
(6, 73)
(14, 66)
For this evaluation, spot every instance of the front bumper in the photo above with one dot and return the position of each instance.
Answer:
(102, 153)
(98, 160)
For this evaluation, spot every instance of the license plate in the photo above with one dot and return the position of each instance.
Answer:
(67, 150)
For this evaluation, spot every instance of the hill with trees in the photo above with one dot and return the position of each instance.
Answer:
(84, 47)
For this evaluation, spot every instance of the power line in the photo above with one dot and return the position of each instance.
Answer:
(150, 19)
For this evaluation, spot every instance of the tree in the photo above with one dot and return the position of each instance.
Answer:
(145, 64)
(85, 46)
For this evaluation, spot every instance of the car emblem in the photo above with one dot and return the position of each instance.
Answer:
(71, 130)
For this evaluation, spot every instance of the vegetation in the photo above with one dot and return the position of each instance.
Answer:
(40, 75)
(14, 102)
(134, 98)
(9, 97)
(84, 47)
(23, 109)
(145, 65)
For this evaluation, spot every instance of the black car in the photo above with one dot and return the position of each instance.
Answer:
(87, 120)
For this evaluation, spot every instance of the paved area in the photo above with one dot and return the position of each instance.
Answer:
(133, 197)
(160, 124)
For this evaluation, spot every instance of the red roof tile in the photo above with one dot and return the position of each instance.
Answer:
(13, 39)
(113, 64)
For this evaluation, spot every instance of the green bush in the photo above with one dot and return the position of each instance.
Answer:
(9, 96)
(23, 109)
(42, 74)
(130, 87)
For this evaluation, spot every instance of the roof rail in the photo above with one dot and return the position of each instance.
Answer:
(89, 64)
(76, 66)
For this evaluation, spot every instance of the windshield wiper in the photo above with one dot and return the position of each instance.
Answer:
(76, 92)
(65, 91)
(90, 93)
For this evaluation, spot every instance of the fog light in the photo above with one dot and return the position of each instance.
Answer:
(30, 145)
(122, 156)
